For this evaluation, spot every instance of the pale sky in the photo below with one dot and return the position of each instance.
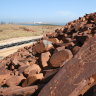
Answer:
(51, 11)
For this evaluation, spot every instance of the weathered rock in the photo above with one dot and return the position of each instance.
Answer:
(45, 58)
(18, 91)
(48, 45)
(5, 61)
(42, 46)
(59, 49)
(68, 45)
(33, 69)
(16, 60)
(60, 58)
(76, 76)
(32, 79)
(14, 80)
(67, 40)
(49, 75)
(75, 50)
(50, 35)
(4, 75)
(22, 68)
(54, 40)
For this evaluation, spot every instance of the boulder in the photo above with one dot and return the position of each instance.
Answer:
(32, 79)
(33, 69)
(54, 40)
(4, 75)
(75, 50)
(45, 58)
(18, 91)
(58, 59)
(22, 68)
(59, 49)
(14, 80)
(42, 46)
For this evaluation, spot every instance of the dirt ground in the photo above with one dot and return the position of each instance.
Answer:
(19, 39)
(7, 51)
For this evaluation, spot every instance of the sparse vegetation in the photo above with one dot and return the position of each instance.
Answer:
(12, 31)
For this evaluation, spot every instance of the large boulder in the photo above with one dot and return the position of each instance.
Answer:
(60, 58)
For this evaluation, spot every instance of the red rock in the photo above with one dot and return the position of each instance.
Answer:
(44, 45)
(45, 58)
(22, 68)
(6, 61)
(54, 34)
(65, 35)
(49, 74)
(77, 27)
(16, 61)
(33, 69)
(60, 58)
(77, 76)
(54, 40)
(67, 40)
(59, 48)
(32, 79)
(47, 44)
(3, 78)
(14, 80)
(31, 60)
(4, 75)
(18, 91)
(75, 50)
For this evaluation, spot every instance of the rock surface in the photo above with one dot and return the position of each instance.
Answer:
(60, 58)
(77, 76)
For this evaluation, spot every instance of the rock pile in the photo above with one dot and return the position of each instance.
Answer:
(31, 67)
(77, 77)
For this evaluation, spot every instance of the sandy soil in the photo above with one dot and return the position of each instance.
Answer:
(7, 51)
(19, 39)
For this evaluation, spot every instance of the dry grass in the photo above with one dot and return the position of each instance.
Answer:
(8, 31)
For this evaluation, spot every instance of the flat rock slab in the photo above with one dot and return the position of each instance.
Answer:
(18, 91)
(75, 74)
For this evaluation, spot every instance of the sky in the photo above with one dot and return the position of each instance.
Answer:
(47, 11)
